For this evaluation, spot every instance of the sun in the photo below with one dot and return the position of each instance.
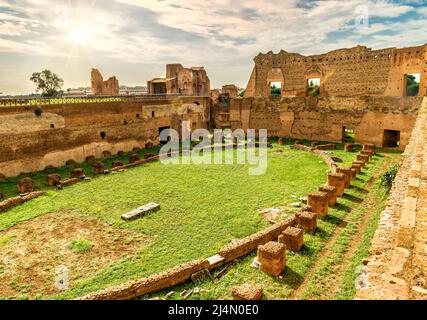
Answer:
(77, 35)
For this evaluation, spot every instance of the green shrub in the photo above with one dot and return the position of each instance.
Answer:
(388, 177)
(38, 111)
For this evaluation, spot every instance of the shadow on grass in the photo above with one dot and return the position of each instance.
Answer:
(342, 207)
(359, 189)
(352, 198)
(291, 277)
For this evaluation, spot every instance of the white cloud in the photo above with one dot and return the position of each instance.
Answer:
(219, 33)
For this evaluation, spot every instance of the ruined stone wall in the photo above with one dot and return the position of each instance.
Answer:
(100, 87)
(75, 131)
(397, 265)
(188, 81)
(359, 71)
(324, 118)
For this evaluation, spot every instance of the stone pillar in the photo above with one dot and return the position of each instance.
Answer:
(349, 147)
(78, 173)
(25, 185)
(367, 153)
(369, 147)
(319, 202)
(292, 238)
(337, 180)
(331, 192)
(117, 164)
(53, 180)
(357, 165)
(272, 257)
(247, 291)
(307, 221)
(347, 175)
(98, 168)
(134, 158)
(363, 158)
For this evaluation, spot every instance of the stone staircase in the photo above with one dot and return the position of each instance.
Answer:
(397, 266)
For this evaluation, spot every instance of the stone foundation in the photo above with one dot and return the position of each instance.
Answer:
(272, 257)
(25, 185)
(337, 180)
(332, 194)
(319, 202)
(247, 291)
(347, 175)
(307, 221)
(292, 238)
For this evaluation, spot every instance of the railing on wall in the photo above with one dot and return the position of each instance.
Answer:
(36, 101)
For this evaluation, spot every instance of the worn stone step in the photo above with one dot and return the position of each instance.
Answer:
(141, 211)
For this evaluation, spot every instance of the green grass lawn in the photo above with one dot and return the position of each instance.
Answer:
(299, 264)
(203, 207)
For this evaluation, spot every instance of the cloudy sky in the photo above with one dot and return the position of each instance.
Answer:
(134, 39)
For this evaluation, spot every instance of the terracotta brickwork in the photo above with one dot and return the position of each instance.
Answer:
(358, 71)
(29, 143)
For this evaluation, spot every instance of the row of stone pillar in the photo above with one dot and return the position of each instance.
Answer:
(26, 185)
(272, 256)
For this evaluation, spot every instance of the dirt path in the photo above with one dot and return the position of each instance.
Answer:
(330, 287)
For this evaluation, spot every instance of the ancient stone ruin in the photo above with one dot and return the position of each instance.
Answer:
(183, 81)
(100, 87)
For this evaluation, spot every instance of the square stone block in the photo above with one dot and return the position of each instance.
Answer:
(363, 158)
(98, 168)
(347, 175)
(77, 173)
(292, 238)
(134, 158)
(360, 163)
(272, 257)
(319, 202)
(25, 185)
(53, 180)
(357, 167)
(332, 194)
(349, 147)
(307, 221)
(369, 147)
(117, 164)
(337, 180)
(247, 291)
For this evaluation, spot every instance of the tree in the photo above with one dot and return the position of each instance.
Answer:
(412, 86)
(47, 82)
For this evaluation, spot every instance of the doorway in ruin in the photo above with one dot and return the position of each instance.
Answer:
(313, 87)
(159, 88)
(391, 139)
(412, 84)
(348, 135)
(275, 90)
(275, 83)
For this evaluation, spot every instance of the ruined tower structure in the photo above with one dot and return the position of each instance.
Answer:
(100, 87)
(179, 80)
(325, 97)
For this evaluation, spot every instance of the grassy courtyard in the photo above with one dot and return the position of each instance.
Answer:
(203, 207)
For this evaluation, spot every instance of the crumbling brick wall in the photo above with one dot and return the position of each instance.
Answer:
(358, 71)
(324, 118)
